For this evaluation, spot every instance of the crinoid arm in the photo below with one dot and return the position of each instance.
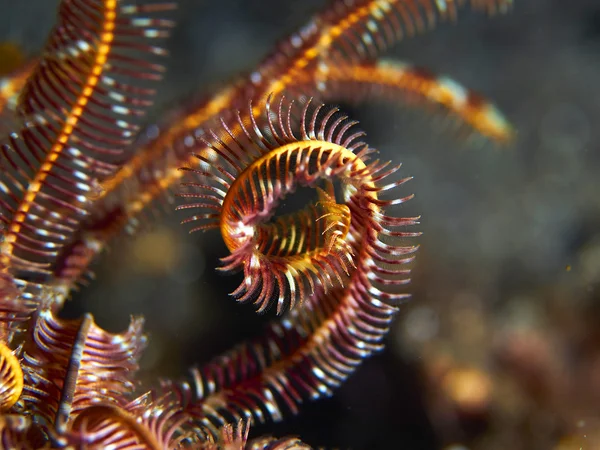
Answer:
(241, 179)
(360, 30)
(340, 289)
(410, 86)
(70, 365)
(79, 110)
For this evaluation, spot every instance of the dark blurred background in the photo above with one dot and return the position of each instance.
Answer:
(499, 347)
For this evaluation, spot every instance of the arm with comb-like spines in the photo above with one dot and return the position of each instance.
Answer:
(78, 111)
(302, 66)
(338, 312)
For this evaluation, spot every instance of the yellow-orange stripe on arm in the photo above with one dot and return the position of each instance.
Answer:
(156, 149)
(140, 182)
(70, 123)
(71, 134)
(393, 81)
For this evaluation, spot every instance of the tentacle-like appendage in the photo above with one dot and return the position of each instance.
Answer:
(342, 287)
(71, 365)
(153, 170)
(72, 133)
(131, 196)
(360, 30)
(239, 193)
(125, 427)
(356, 31)
(399, 82)
(68, 51)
